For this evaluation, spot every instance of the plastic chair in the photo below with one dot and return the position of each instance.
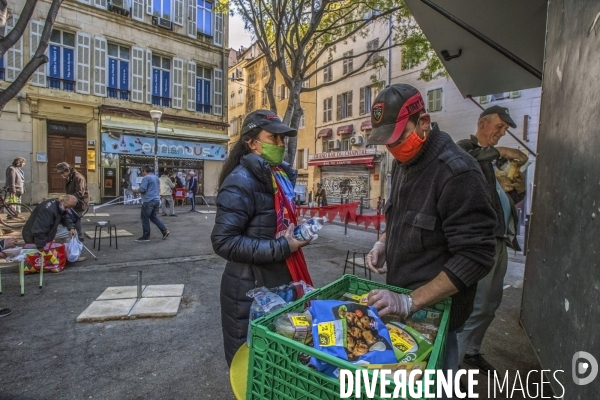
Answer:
(354, 252)
(179, 195)
(238, 373)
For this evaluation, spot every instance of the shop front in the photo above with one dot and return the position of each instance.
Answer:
(124, 155)
(352, 175)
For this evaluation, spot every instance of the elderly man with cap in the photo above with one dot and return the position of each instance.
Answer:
(439, 237)
(42, 225)
(75, 185)
(491, 127)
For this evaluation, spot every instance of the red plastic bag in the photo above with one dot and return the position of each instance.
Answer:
(55, 258)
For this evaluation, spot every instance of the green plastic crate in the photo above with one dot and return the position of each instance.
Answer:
(275, 371)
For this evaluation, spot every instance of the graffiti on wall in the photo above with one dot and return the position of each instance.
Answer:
(344, 186)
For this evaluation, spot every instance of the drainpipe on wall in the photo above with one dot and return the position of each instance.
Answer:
(389, 64)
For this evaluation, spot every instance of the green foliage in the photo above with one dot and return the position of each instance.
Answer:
(417, 50)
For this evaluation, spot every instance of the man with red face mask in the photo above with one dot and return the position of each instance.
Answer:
(439, 237)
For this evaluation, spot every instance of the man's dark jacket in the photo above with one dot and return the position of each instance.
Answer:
(193, 185)
(486, 156)
(77, 186)
(244, 234)
(43, 223)
(439, 218)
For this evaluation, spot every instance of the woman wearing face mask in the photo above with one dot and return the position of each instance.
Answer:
(254, 223)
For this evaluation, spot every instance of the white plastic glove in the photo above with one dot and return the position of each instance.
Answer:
(376, 258)
(387, 302)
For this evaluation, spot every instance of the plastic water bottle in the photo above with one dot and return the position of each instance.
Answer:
(309, 228)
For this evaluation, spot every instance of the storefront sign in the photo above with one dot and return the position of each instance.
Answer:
(344, 154)
(144, 146)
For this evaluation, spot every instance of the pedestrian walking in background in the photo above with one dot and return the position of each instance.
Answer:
(15, 180)
(149, 190)
(491, 126)
(75, 185)
(192, 189)
(439, 237)
(321, 197)
(254, 203)
(166, 194)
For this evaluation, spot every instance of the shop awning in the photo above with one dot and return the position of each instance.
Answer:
(368, 160)
(108, 124)
(345, 130)
(487, 47)
(325, 133)
(366, 125)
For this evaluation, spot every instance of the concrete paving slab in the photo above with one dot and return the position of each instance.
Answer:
(207, 212)
(106, 310)
(105, 235)
(156, 307)
(97, 215)
(120, 292)
(163, 291)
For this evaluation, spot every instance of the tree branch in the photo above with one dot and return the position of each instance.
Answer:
(15, 34)
(38, 59)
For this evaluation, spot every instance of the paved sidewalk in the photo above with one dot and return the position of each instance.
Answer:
(45, 354)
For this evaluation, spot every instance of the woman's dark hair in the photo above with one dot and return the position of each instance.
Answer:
(239, 150)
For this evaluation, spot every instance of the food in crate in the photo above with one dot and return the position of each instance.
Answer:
(355, 298)
(409, 344)
(351, 332)
(295, 326)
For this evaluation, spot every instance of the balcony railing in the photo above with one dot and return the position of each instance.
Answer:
(203, 108)
(120, 94)
(61, 84)
(161, 101)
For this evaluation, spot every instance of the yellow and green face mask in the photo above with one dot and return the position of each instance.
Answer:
(272, 153)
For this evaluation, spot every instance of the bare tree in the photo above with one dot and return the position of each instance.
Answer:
(8, 39)
(295, 34)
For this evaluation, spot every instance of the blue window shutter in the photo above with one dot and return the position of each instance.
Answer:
(166, 84)
(113, 74)
(68, 64)
(155, 82)
(54, 62)
(124, 75)
(199, 91)
(207, 92)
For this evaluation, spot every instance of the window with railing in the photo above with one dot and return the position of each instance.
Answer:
(203, 90)
(161, 81)
(118, 72)
(61, 63)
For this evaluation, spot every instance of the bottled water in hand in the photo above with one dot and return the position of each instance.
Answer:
(309, 228)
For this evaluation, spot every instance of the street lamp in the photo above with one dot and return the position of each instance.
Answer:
(156, 114)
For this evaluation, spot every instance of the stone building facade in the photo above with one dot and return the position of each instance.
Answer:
(110, 63)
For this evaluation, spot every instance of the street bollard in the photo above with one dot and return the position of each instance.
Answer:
(139, 285)
(360, 209)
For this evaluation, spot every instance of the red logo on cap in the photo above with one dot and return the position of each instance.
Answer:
(271, 116)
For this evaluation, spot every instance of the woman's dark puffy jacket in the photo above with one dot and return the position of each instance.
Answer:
(244, 234)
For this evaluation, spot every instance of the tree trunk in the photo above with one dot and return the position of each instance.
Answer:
(291, 118)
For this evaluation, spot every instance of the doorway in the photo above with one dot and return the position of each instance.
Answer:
(66, 143)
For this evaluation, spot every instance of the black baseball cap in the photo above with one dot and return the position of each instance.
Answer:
(267, 120)
(390, 112)
(502, 112)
